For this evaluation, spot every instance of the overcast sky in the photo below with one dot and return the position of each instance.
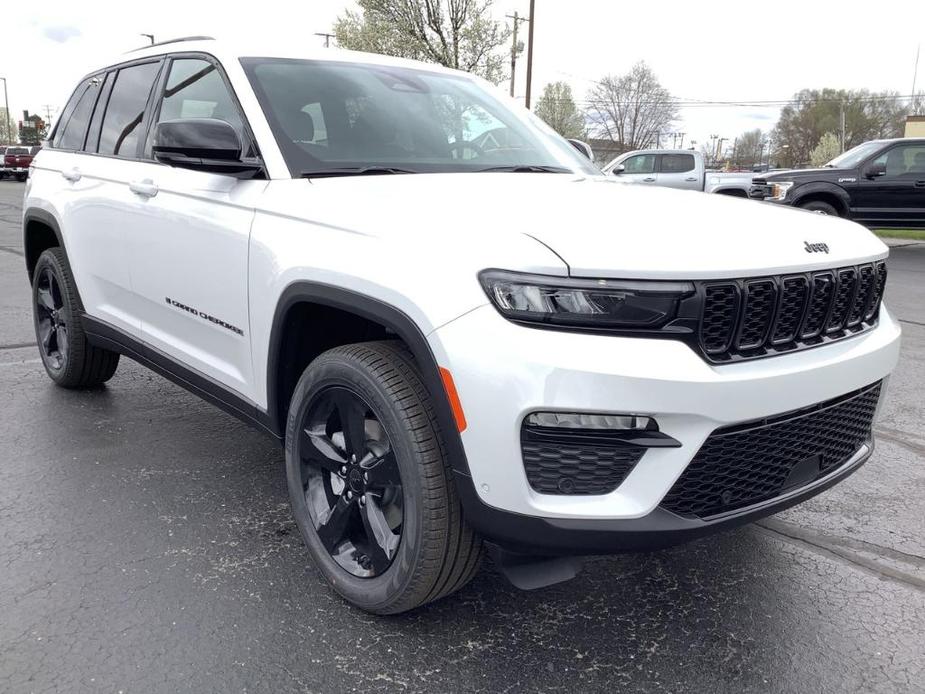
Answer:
(719, 50)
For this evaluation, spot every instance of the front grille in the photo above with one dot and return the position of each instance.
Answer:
(749, 318)
(748, 463)
(575, 461)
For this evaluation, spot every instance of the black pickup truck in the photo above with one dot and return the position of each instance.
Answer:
(880, 183)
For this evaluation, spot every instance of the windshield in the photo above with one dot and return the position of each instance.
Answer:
(330, 116)
(854, 156)
(17, 150)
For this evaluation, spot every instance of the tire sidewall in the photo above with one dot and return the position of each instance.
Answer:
(820, 207)
(49, 259)
(378, 592)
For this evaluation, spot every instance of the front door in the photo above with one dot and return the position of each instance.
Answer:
(639, 168)
(897, 196)
(188, 239)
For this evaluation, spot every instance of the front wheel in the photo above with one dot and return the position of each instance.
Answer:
(819, 207)
(370, 487)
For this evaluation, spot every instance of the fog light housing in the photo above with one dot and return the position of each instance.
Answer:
(601, 422)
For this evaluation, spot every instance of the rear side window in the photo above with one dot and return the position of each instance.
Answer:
(677, 163)
(68, 111)
(122, 124)
(75, 129)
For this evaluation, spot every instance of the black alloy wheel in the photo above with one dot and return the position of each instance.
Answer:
(351, 482)
(51, 319)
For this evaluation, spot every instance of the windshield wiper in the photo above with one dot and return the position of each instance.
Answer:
(526, 168)
(355, 171)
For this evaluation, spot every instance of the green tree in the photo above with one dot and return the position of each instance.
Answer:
(557, 107)
(631, 109)
(828, 148)
(460, 34)
(815, 112)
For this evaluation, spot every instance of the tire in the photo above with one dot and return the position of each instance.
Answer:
(819, 207)
(21, 178)
(436, 552)
(69, 359)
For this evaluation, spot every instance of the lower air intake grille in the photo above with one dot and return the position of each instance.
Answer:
(575, 461)
(748, 463)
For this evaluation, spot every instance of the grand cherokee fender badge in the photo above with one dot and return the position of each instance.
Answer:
(816, 247)
(204, 315)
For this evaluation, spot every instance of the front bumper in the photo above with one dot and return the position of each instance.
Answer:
(505, 371)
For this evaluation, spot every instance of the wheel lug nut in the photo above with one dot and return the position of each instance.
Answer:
(343, 469)
(366, 477)
(349, 495)
(363, 500)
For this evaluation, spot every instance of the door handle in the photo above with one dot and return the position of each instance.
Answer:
(649, 180)
(146, 188)
(920, 184)
(72, 175)
(690, 179)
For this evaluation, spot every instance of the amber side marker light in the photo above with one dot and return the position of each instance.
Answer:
(450, 387)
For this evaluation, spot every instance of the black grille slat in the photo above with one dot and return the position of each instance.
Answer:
(845, 289)
(757, 313)
(747, 464)
(756, 317)
(865, 288)
(790, 310)
(565, 462)
(879, 284)
(721, 306)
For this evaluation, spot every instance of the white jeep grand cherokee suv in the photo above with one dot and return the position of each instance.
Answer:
(422, 291)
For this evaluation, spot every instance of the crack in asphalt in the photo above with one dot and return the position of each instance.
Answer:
(899, 437)
(10, 249)
(848, 550)
(17, 345)
(911, 322)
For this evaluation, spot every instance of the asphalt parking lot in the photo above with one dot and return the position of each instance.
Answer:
(146, 546)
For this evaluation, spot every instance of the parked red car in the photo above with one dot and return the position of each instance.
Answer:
(16, 162)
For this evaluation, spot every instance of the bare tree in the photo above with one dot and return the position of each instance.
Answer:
(460, 34)
(557, 107)
(749, 148)
(631, 109)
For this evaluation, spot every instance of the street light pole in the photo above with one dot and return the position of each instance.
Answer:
(9, 123)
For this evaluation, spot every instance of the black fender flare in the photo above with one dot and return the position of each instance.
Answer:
(389, 317)
(823, 187)
(34, 214)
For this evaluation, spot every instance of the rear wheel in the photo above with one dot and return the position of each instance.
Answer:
(370, 487)
(820, 207)
(69, 359)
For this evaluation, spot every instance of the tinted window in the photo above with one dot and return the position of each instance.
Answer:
(640, 164)
(125, 112)
(195, 89)
(677, 163)
(905, 160)
(328, 115)
(75, 129)
(93, 134)
(68, 110)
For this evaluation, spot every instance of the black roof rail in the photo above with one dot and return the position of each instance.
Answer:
(177, 40)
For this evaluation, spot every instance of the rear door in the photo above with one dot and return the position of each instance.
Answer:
(678, 171)
(189, 234)
(898, 196)
(640, 168)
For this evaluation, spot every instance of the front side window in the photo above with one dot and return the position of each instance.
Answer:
(677, 163)
(329, 115)
(902, 161)
(640, 164)
(122, 124)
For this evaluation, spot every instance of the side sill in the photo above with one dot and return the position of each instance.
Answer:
(104, 335)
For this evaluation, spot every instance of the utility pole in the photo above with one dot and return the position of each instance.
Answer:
(150, 36)
(735, 145)
(841, 120)
(530, 52)
(9, 122)
(327, 38)
(915, 71)
(516, 49)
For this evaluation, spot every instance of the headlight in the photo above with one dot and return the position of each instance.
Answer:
(602, 304)
(779, 189)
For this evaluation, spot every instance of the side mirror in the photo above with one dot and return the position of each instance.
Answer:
(583, 147)
(875, 171)
(202, 144)
(618, 169)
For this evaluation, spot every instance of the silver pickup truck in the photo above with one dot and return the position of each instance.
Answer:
(677, 168)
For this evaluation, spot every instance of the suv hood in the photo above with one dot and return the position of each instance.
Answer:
(800, 174)
(598, 226)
